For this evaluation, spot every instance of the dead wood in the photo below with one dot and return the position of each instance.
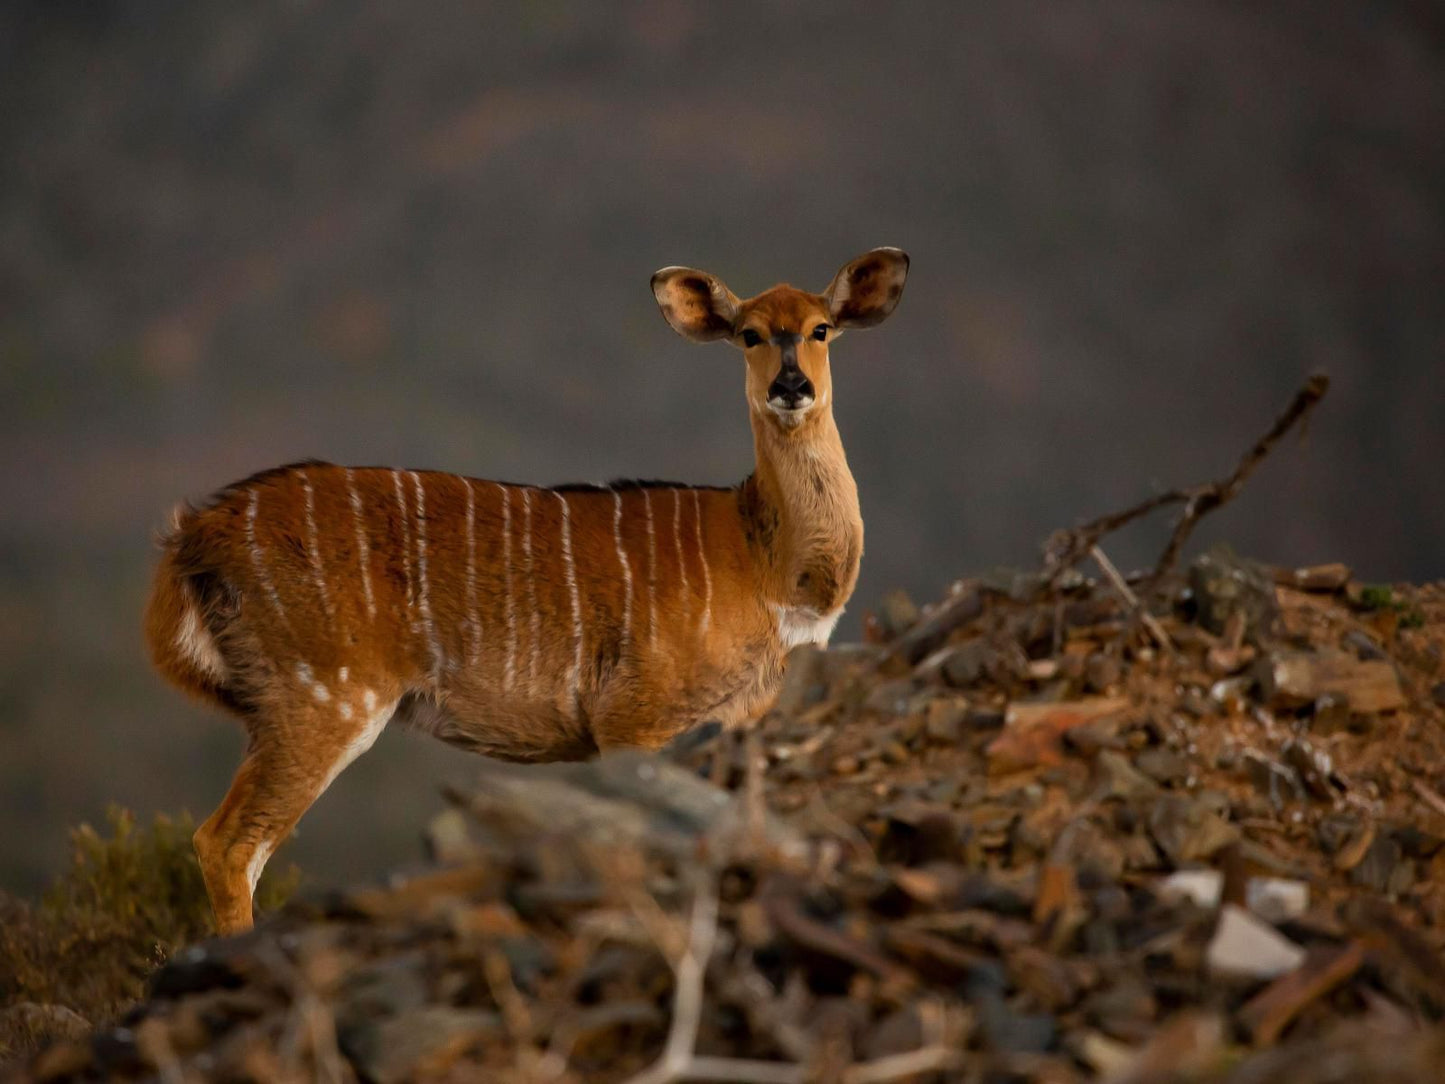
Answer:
(1065, 549)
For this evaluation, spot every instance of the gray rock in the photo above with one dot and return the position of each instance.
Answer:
(1102, 673)
(390, 1050)
(628, 798)
(1224, 584)
(1378, 868)
(50, 1023)
(1186, 830)
(897, 613)
(1117, 778)
(1163, 765)
(890, 698)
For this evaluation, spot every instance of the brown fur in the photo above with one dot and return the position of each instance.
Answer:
(315, 602)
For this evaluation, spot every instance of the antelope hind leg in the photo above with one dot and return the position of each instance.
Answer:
(294, 757)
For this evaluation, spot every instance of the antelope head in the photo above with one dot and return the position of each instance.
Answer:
(784, 332)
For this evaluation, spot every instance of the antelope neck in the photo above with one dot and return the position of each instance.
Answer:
(804, 504)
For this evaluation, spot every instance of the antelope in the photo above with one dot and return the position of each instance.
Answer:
(319, 603)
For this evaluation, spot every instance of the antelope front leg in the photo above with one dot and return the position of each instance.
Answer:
(295, 754)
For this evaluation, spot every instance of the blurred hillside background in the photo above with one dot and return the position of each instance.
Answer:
(233, 235)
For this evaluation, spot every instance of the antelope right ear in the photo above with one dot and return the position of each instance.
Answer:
(697, 305)
(866, 291)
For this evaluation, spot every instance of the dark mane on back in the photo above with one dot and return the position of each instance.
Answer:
(627, 484)
(261, 477)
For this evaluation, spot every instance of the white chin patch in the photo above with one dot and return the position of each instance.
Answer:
(790, 417)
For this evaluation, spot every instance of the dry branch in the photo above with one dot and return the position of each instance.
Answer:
(1126, 592)
(1065, 549)
(680, 1061)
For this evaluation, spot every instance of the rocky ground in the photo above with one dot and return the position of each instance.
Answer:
(1033, 832)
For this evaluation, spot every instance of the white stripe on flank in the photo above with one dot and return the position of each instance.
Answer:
(475, 620)
(626, 573)
(536, 619)
(651, 572)
(363, 550)
(405, 542)
(509, 675)
(313, 546)
(702, 555)
(424, 598)
(572, 587)
(677, 538)
(258, 561)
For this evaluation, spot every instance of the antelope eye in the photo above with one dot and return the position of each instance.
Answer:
(751, 338)
(821, 332)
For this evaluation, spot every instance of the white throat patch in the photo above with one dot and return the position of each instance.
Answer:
(805, 625)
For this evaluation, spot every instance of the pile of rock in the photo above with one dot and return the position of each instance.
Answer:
(1025, 834)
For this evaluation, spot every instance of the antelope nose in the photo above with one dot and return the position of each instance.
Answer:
(790, 386)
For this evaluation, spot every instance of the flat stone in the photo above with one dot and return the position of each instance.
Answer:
(1244, 946)
(1277, 899)
(890, 698)
(1163, 765)
(1363, 645)
(1327, 577)
(1201, 887)
(1294, 679)
(1117, 778)
(626, 798)
(1033, 732)
(967, 664)
(945, 721)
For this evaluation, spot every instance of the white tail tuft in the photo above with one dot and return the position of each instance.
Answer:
(195, 642)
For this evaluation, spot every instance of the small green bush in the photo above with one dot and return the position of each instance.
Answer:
(130, 899)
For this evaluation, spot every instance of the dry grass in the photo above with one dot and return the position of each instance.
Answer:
(131, 898)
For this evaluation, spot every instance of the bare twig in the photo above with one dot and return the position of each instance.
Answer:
(1065, 549)
(925, 1059)
(1111, 573)
(1207, 498)
(756, 804)
(308, 1012)
(680, 1062)
(1429, 795)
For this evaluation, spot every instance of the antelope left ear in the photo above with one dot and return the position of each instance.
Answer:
(866, 291)
(697, 305)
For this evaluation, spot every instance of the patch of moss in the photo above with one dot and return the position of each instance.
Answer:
(132, 897)
(1376, 596)
(1379, 596)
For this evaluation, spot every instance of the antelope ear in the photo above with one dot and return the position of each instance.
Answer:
(866, 291)
(697, 305)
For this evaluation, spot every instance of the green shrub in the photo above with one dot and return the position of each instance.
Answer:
(130, 899)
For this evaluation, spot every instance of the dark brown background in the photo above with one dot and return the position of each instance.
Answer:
(237, 234)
